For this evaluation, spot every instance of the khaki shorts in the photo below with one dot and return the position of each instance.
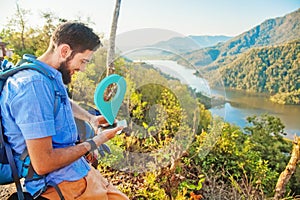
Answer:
(93, 186)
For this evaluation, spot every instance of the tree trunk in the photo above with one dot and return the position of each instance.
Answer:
(22, 24)
(110, 68)
(289, 171)
(112, 40)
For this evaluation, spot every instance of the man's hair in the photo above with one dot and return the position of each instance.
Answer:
(77, 35)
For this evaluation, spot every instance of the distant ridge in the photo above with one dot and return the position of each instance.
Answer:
(270, 32)
(208, 40)
(190, 43)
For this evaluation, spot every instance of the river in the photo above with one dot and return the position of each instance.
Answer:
(238, 104)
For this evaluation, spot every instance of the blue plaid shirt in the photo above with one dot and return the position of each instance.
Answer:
(27, 108)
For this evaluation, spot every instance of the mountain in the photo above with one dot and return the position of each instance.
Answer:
(270, 32)
(207, 41)
(190, 43)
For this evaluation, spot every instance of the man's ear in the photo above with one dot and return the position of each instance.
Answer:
(65, 51)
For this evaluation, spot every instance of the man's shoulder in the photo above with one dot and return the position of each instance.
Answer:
(24, 79)
(26, 76)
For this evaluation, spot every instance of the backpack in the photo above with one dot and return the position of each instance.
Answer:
(8, 169)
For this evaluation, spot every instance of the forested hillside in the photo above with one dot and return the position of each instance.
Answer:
(175, 149)
(214, 160)
(274, 70)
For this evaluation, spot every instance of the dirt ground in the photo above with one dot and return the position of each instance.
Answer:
(6, 191)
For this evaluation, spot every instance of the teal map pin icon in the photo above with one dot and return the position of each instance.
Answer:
(110, 109)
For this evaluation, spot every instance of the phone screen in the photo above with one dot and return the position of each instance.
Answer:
(121, 123)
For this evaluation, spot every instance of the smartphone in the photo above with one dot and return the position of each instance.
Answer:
(121, 123)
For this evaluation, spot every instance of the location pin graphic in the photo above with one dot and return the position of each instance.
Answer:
(110, 109)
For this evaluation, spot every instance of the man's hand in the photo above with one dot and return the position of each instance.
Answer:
(82, 114)
(106, 135)
(97, 121)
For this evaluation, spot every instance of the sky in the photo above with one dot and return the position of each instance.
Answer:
(186, 17)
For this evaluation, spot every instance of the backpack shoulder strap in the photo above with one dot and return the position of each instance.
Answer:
(7, 73)
(12, 163)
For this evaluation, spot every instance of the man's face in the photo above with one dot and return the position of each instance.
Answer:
(72, 65)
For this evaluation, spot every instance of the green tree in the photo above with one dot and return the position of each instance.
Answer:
(266, 133)
(248, 162)
(24, 39)
(15, 33)
(43, 35)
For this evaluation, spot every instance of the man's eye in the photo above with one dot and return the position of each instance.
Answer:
(84, 61)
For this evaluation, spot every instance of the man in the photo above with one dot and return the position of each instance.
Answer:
(27, 107)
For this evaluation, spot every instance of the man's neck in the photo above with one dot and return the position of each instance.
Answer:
(50, 59)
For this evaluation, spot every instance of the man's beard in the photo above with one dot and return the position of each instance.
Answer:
(66, 74)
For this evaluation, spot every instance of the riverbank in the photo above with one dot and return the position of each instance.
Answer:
(240, 105)
(232, 105)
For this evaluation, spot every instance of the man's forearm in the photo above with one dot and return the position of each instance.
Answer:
(46, 159)
(80, 113)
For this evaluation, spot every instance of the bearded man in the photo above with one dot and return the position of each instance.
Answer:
(29, 121)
